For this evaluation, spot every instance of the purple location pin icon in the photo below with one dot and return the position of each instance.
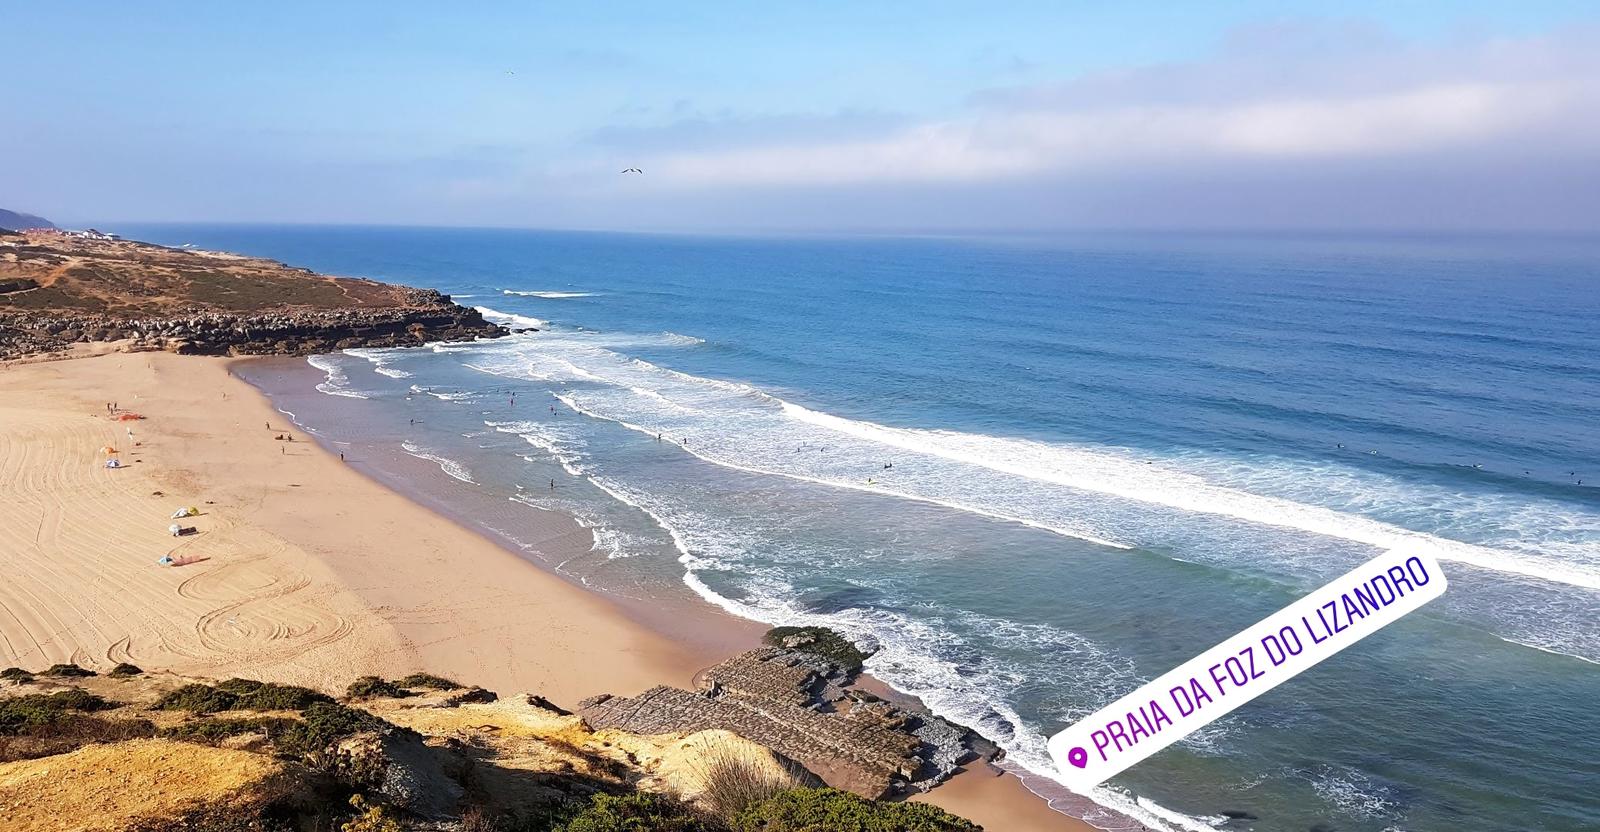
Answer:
(1078, 757)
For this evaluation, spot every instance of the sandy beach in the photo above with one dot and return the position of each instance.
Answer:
(302, 570)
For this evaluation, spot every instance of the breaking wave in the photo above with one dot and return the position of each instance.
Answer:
(337, 382)
(510, 319)
(446, 464)
(547, 295)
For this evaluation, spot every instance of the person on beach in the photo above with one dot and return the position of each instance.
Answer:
(552, 485)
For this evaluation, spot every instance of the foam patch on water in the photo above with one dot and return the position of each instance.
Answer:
(1353, 792)
(447, 465)
(337, 382)
(382, 360)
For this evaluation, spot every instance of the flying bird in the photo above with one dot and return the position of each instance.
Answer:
(632, 170)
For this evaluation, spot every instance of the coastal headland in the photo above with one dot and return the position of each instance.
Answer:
(61, 291)
(301, 570)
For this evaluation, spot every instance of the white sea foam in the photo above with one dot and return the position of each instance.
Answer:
(382, 360)
(1055, 486)
(450, 396)
(547, 295)
(447, 465)
(337, 382)
(510, 319)
(1352, 791)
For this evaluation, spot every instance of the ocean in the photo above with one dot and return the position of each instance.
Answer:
(1036, 471)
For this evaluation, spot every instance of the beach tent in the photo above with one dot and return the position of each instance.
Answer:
(175, 529)
(191, 511)
(108, 450)
(166, 560)
(113, 463)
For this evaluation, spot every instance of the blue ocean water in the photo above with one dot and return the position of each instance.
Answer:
(1039, 471)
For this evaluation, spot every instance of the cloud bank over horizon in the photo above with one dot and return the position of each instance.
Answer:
(1296, 124)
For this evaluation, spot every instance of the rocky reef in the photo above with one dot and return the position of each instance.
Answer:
(801, 705)
(430, 317)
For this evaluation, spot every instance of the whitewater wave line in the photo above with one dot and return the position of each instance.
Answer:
(1085, 470)
(1123, 478)
(446, 464)
(567, 399)
(547, 295)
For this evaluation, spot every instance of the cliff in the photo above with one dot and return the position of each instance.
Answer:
(58, 289)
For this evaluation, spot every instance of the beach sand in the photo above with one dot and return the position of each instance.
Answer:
(303, 570)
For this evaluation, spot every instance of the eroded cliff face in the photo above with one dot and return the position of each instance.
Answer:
(58, 290)
(293, 332)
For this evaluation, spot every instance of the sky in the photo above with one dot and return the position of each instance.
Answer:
(853, 117)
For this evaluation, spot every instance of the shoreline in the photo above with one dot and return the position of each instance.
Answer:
(335, 572)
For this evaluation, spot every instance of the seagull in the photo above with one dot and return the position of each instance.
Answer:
(632, 170)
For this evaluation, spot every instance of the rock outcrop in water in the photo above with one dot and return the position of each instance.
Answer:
(58, 290)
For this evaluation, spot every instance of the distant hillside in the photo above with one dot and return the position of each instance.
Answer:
(59, 288)
(17, 221)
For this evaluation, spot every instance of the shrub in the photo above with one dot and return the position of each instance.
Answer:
(125, 669)
(212, 731)
(368, 687)
(66, 731)
(370, 817)
(638, 812)
(240, 695)
(819, 641)
(805, 810)
(324, 724)
(430, 681)
(21, 714)
(196, 698)
(268, 696)
(68, 670)
(732, 780)
(16, 674)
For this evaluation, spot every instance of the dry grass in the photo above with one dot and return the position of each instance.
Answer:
(732, 779)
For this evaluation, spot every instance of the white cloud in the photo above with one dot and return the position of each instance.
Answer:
(1490, 97)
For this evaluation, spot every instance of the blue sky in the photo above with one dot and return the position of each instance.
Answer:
(820, 116)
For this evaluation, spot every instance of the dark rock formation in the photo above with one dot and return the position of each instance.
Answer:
(397, 764)
(429, 316)
(798, 705)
